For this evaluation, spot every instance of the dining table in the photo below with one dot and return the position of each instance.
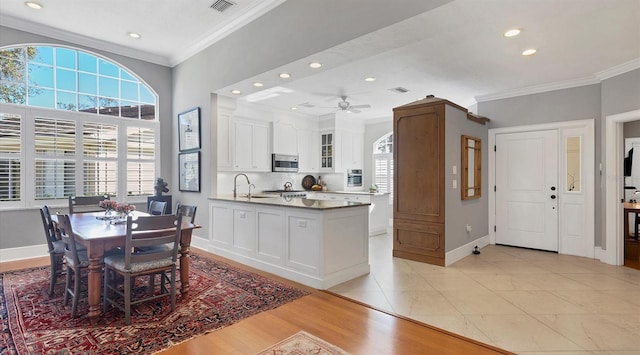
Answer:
(100, 234)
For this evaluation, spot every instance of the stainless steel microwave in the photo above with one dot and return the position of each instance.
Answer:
(284, 163)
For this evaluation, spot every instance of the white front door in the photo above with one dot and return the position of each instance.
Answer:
(527, 189)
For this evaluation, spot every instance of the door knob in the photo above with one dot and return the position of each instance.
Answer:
(553, 197)
(553, 188)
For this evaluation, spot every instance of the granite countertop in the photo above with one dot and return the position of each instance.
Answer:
(353, 192)
(266, 199)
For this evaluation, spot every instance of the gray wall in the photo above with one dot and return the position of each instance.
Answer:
(458, 212)
(631, 129)
(615, 95)
(22, 227)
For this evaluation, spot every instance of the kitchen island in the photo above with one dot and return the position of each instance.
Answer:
(318, 243)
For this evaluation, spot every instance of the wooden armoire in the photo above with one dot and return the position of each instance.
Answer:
(421, 177)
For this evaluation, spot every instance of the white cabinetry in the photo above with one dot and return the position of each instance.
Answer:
(225, 135)
(285, 138)
(318, 248)
(341, 150)
(308, 152)
(251, 146)
(378, 210)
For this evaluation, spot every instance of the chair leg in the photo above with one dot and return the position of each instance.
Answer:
(54, 273)
(76, 292)
(127, 299)
(67, 284)
(105, 289)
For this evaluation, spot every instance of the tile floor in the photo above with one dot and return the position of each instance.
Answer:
(525, 301)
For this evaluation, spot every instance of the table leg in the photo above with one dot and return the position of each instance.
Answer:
(185, 242)
(95, 289)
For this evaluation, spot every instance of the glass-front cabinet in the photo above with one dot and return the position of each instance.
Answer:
(326, 151)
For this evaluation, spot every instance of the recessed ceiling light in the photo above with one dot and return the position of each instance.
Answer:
(33, 5)
(370, 78)
(530, 51)
(293, 108)
(258, 84)
(236, 92)
(315, 65)
(284, 75)
(133, 35)
(512, 32)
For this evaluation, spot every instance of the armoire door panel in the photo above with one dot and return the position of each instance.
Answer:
(423, 239)
(419, 163)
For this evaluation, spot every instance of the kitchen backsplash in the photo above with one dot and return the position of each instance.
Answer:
(275, 181)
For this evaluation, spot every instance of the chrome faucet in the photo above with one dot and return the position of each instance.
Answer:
(235, 184)
(249, 194)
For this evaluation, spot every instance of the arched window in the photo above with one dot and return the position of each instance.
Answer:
(383, 163)
(73, 123)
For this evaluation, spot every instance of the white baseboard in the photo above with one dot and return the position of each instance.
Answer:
(20, 253)
(200, 243)
(462, 251)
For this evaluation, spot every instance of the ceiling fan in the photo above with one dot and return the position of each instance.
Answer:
(344, 105)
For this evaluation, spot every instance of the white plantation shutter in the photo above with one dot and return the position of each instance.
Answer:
(383, 172)
(141, 145)
(100, 167)
(10, 150)
(55, 147)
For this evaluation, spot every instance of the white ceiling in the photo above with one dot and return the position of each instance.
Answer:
(456, 51)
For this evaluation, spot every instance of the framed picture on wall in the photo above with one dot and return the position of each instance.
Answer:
(189, 129)
(189, 170)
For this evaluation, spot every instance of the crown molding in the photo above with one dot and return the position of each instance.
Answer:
(77, 39)
(260, 8)
(536, 89)
(619, 69)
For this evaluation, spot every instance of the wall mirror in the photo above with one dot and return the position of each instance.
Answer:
(471, 149)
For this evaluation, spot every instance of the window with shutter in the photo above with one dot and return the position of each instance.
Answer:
(10, 154)
(73, 123)
(383, 163)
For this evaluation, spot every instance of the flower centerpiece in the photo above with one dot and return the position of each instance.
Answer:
(124, 209)
(108, 206)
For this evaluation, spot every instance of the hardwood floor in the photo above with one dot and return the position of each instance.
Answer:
(354, 327)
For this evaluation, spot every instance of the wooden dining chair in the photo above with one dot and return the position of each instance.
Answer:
(86, 203)
(55, 245)
(76, 261)
(157, 208)
(187, 211)
(121, 270)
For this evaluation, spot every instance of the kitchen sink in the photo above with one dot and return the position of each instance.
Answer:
(261, 196)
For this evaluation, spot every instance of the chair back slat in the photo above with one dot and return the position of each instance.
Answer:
(86, 203)
(187, 211)
(157, 208)
(66, 234)
(149, 231)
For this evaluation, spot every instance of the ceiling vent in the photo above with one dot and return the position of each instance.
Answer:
(221, 5)
(399, 90)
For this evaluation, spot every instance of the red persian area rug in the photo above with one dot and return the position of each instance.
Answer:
(219, 295)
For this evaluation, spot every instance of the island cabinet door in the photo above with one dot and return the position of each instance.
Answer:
(244, 230)
(270, 235)
(221, 231)
(303, 247)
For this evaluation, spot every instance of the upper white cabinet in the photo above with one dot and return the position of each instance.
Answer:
(251, 146)
(307, 150)
(285, 138)
(341, 150)
(225, 137)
